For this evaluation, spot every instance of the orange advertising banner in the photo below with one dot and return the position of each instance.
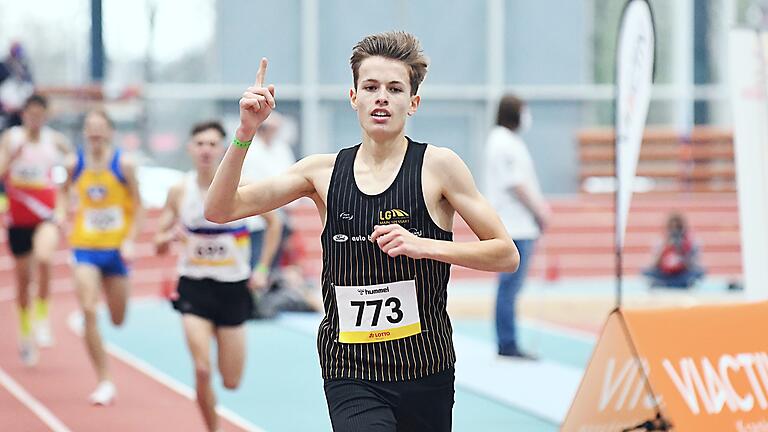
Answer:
(613, 394)
(702, 369)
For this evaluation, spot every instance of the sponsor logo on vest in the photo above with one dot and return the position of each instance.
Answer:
(346, 216)
(415, 231)
(340, 238)
(365, 291)
(393, 216)
(375, 335)
(361, 238)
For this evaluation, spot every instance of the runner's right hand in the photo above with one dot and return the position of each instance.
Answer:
(164, 239)
(162, 242)
(257, 102)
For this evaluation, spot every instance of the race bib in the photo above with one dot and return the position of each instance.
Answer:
(28, 174)
(377, 313)
(210, 251)
(106, 219)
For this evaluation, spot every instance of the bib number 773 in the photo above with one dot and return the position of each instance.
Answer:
(377, 313)
(393, 302)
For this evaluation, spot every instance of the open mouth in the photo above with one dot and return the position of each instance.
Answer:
(380, 114)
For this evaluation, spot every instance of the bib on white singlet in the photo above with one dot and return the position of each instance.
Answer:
(211, 250)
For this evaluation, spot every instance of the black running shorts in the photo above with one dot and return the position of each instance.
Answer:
(225, 304)
(419, 405)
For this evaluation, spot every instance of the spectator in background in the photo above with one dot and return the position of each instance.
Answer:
(15, 86)
(513, 190)
(270, 154)
(676, 259)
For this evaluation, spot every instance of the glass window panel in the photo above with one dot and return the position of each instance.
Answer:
(547, 41)
(456, 125)
(249, 30)
(553, 144)
(452, 34)
(360, 18)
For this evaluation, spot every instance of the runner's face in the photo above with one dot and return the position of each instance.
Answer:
(383, 98)
(98, 133)
(206, 148)
(34, 116)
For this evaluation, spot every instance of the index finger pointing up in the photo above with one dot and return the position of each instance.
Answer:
(261, 72)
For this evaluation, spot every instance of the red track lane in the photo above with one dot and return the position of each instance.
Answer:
(15, 416)
(63, 379)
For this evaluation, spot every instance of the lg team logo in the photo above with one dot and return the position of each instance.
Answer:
(96, 192)
(393, 216)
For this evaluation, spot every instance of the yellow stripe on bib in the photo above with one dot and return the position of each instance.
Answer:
(212, 263)
(380, 335)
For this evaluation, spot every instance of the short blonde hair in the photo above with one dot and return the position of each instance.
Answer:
(396, 45)
(100, 112)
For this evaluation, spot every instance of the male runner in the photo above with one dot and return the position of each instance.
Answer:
(28, 154)
(387, 205)
(214, 267)
(107, 219)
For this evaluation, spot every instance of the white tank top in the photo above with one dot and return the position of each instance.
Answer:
(34, 167)
(217, 251)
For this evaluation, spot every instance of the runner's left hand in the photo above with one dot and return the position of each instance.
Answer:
(394, 240)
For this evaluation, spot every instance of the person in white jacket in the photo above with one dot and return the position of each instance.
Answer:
(513, 190)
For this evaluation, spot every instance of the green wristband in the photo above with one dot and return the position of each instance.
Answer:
(241, 144)
(262, 268)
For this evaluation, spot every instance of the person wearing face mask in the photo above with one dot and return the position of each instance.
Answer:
(676, 260)
(513, 190)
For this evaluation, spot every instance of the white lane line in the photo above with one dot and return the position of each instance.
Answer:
(75, 324)
(33, 404)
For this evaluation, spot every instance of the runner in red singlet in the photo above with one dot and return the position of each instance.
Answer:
(28, 155)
